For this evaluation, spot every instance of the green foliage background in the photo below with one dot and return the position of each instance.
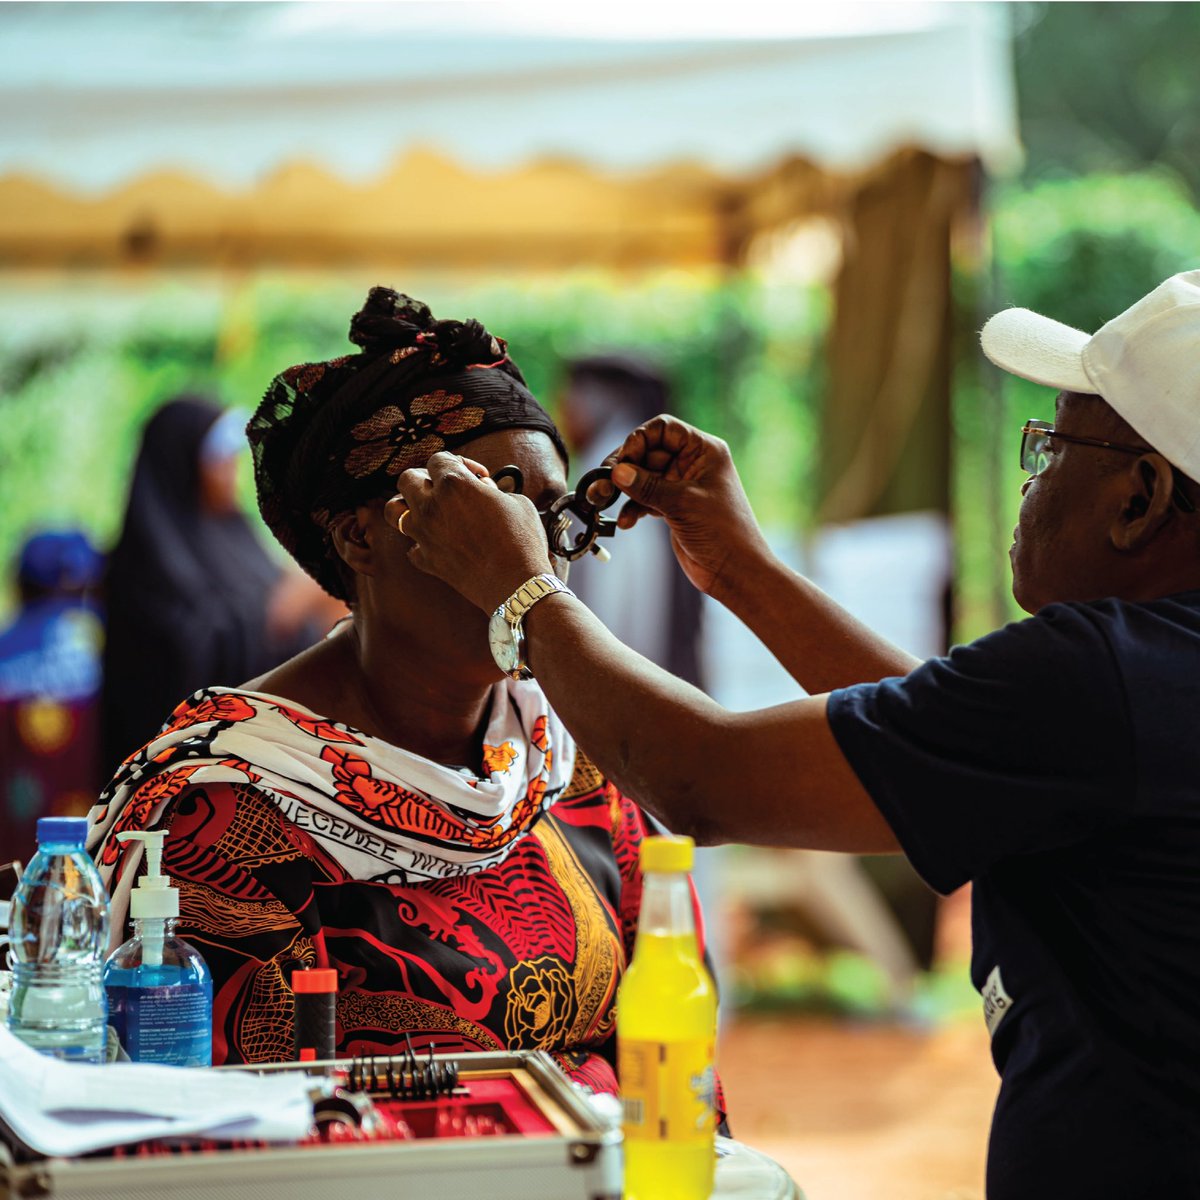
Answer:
(85, 365)
(81, 367)
(1080, 250)
(1106, 86)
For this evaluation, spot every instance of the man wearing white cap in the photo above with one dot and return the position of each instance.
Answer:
(1055, 763)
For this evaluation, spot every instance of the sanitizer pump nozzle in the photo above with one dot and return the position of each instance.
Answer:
(154, 901)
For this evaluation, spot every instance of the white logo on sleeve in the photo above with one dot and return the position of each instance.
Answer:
(996, 1001)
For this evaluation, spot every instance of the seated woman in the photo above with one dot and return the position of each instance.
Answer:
(388, 803)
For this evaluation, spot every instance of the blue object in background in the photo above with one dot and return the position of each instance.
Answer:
(50, 663)
(59, 562)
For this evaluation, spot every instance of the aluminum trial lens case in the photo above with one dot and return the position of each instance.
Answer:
(582, 1161)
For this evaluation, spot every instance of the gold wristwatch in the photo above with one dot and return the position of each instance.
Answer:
(506, 633)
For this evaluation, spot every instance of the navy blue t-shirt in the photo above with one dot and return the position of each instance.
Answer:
(1056, 764)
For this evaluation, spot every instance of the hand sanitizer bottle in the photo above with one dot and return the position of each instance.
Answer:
(159, 988)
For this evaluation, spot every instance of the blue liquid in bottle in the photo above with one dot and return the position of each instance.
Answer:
(159, 988)
(160, 997)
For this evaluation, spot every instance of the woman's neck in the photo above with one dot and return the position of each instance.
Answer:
(389, 689)
(405, 700)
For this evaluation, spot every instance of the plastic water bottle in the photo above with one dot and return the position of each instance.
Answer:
(5, 973)
(59, 932)
(666, 1035)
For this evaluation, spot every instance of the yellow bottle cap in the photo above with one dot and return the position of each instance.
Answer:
(667, 854)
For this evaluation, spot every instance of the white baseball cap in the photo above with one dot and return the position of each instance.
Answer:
(1144, 363)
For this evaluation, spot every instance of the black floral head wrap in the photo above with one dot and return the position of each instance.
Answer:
(329, 436)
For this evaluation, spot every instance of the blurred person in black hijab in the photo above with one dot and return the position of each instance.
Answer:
(193, 598)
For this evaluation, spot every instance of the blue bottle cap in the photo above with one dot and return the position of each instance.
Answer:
(62, 829)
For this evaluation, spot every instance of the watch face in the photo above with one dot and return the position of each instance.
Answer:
(502, 638)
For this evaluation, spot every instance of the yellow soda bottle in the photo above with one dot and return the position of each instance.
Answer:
(666, 1037)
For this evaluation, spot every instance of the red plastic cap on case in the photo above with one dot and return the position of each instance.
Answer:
(319, 979)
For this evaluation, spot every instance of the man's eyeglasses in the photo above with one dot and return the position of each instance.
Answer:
(1035, 449)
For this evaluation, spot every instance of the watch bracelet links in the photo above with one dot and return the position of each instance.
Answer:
(529, 593)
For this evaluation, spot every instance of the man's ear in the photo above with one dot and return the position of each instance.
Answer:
(1147, 503)
(353, 535)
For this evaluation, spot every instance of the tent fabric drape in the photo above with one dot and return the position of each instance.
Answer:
(886, 425)
(240, 137)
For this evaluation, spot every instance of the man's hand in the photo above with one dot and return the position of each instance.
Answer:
(672, 470)
(479, 540)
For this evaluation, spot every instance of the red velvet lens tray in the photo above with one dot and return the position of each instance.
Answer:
(515, 1128)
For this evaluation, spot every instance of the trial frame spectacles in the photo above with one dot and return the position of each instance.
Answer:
(1036, 434)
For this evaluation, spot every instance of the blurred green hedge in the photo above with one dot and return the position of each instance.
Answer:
(82, 364)
(86, 364)
(1078, 250)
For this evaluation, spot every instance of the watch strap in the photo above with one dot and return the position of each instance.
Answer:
(529, 593)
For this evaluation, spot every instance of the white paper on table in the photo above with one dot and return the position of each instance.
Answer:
(62, 1109)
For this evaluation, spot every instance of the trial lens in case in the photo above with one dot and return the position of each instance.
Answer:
(500, 1125)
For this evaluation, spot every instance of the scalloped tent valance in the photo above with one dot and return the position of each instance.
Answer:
(455, 134)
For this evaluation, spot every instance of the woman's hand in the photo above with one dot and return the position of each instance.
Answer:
(672, 470)
(483, 542)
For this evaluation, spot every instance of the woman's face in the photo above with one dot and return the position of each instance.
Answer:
(218, 483)
(442, 628)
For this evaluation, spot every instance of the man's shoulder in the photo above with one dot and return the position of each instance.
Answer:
(1061, 629)
(1119, 625)
(1180, 605)
(1088, 649)
(1020, 673)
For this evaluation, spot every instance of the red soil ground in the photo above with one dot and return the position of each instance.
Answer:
(863, 1112)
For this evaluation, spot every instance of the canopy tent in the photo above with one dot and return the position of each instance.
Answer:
(502, 135)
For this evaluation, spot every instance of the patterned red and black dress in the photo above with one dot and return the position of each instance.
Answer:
(470, 913)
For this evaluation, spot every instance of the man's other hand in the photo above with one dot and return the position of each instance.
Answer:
(672, 470)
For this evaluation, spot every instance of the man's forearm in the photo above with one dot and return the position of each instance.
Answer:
(818, 642)
(774, 777)
(645, 729)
